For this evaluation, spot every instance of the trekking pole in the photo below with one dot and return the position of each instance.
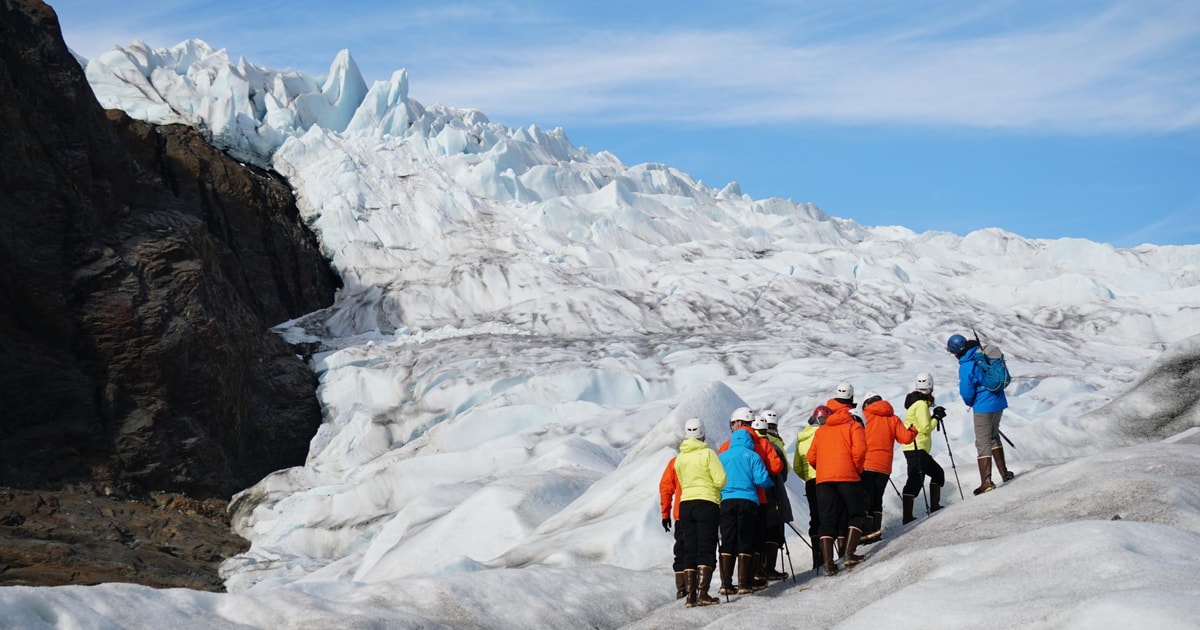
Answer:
(1006, 438)
(952, 466)
(895, 488)
(800, 535)
(788, 553)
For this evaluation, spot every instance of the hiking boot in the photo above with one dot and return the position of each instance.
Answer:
(727, 560)
(756, 582)
(908, 517)
(702, 596)
(985, 475)
(852, 544)
(998, 455)
(689, 578)
(770, 557)
(874, 530)
(816, 553)
(745, 570)
(680, 585)
(935, 498)
(827, 552)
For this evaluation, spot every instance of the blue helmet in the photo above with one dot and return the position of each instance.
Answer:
(956, 343)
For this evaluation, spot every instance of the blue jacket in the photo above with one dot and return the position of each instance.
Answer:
(744, 469)
(971, 389)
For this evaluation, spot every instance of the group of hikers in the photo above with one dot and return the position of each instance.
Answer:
(729, 507)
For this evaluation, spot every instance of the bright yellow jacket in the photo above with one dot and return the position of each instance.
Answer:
(918, 416)
(701, 475)
(800, 460)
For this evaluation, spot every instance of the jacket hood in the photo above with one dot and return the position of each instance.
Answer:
(840, 416)
(741, 439)
(837, 405)
(691, 445)
(880, 408)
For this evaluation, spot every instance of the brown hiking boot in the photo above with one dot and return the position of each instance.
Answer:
(702, 596)
(745, 571)
(827, 554)
(690, 579)
(727, 560)
(874, 529)
(998, 456)
(985, 475)
(852, 544)
(907, 501)
(680, 585)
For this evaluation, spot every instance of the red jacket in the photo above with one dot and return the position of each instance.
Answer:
(839, 448)
(767, 452)
(883, 430)
(668, 487)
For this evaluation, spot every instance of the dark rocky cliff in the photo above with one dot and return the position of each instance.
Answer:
(140, 271)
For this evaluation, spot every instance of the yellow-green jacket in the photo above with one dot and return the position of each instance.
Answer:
(701, 475)
(800, 459)
(918, 416)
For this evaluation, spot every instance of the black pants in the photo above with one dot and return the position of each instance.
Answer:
(875, 484)
(814, 512)
(739, 525)
(678, 565)
(836, 498)
(921, 465)
(698, 521)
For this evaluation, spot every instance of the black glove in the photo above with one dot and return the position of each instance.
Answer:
(939, 413)
(666, 525)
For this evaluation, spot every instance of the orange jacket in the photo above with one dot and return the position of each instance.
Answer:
(883, 430)
(839, 448)
(668, 487)
(767, 452)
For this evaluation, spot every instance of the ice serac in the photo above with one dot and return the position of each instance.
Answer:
(341, 93)
(386, 108)
(247, 110)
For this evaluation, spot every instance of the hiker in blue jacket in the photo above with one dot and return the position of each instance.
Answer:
(744, 474)
(987, 405)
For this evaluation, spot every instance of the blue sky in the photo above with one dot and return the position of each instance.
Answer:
(1080, 120)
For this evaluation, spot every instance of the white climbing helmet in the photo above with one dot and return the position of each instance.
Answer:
(741, 414)
(693, 428)
(844, 391)
(924, 382)
(770, 416)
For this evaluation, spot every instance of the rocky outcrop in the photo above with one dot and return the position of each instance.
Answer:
(140, 271)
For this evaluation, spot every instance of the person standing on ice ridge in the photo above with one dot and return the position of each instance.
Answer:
(777, 512)
(987, 405)
(883, 431)
(669, 494)
(701, 479)
(741, 511)
(808, 473)
(921, 464)
(839, 452)
(740, 420)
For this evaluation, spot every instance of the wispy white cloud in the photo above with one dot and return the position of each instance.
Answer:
(1182, 226)
(1125, 69)
(1120, 66)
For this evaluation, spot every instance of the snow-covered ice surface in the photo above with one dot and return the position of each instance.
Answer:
(525, 324)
